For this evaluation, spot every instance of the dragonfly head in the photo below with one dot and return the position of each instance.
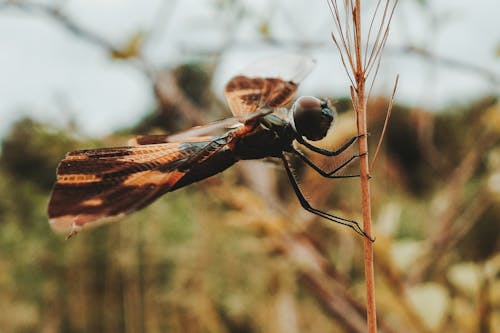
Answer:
(311, 117)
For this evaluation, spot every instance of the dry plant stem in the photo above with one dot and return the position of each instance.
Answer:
(386, 123)
(366, 207)
(360, 107)
(358, 67)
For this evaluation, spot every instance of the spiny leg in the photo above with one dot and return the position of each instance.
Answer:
(307, 206)
(330, 174)
(326, 152)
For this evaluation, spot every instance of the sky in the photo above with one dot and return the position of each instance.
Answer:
(49, 74)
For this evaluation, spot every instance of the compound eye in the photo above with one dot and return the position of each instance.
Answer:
(312, 117)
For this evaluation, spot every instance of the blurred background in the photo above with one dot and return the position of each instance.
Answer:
(236, 252)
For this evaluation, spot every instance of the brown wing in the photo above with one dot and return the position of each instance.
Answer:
(94, 185)
(245, 94)
(271, 82)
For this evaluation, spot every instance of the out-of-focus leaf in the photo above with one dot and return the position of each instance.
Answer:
(431, 301)
(466, 277)
(389, 218)
(405, 252)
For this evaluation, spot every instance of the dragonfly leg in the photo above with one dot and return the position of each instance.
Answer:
(307, 206)
(326, 152)
(330, 174)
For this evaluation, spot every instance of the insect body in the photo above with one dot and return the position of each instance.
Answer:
(97, 184)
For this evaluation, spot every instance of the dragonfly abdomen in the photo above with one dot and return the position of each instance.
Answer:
(213, 165)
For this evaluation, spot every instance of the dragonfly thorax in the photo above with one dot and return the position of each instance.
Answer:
(311, 117)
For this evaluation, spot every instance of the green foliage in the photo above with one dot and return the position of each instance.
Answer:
(194, 80)
(31, 151)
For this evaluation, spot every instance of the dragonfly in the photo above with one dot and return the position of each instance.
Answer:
(99, 185)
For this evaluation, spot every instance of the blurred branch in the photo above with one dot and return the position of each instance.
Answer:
(169, 93)
(56, 13)
(425, 129)
(325, 282)
(449, 62)
(164, 83)
(458, 208)
(397, 289)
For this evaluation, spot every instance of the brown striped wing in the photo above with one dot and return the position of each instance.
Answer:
(246, 95)
(96, 185)
(271, 82)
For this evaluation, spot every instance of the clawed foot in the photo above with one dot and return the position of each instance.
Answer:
(362, 135)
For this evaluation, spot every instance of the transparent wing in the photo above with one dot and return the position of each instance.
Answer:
(203, 132)
(287, 67)
(270, 82)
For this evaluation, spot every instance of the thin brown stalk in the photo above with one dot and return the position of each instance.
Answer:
(370, 31)
(348, 12)
(381, 48)
(377, 45)
(366, 208)
(378, 48)
(386, 122)
(360, 108)
(354, 100)
(362, 62)
(338, 24)
(342, 58)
